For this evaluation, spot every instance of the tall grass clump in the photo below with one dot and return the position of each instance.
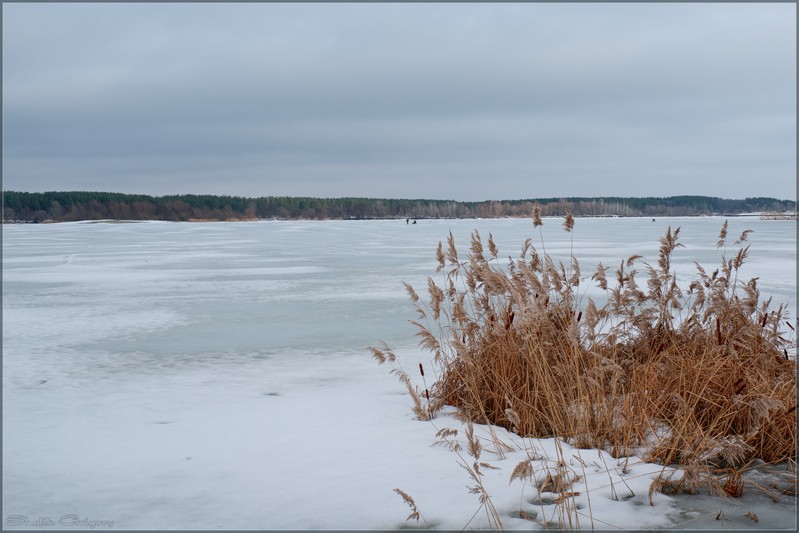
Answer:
(694, 374)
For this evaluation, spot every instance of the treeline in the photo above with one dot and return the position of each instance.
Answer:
(73, 206)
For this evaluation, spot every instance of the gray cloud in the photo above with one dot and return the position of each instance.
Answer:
(463, 101)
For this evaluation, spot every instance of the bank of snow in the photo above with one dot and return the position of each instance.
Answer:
(216, 376)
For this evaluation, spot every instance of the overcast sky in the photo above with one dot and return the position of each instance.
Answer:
(457, 101)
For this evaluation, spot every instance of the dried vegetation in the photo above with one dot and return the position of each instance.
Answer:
(695, 374)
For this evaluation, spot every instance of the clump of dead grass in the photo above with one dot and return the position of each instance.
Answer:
(696, 374)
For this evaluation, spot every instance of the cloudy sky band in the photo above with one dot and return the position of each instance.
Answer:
(461, 101)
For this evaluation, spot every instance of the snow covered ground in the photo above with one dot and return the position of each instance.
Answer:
(216, 376)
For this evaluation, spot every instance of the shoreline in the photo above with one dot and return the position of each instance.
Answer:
(760, 215)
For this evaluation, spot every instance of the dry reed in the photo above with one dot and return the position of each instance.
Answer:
(696, 375)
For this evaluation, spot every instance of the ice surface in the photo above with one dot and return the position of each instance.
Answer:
(215, 375)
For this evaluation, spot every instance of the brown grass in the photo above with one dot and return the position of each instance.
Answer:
(696, 375)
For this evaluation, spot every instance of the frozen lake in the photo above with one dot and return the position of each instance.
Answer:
(216, 375)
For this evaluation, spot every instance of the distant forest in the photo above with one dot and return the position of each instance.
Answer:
(72, 206)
